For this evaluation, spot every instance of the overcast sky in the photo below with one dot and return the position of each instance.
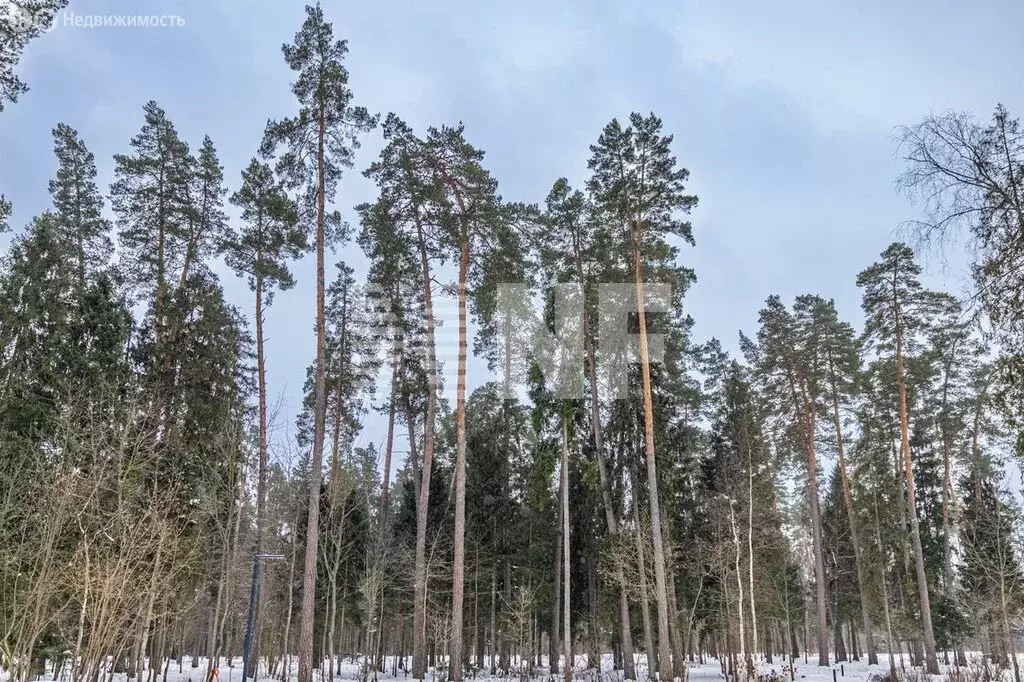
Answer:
(783, 112)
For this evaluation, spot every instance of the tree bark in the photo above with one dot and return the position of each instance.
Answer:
(660, 589)
(625, 631)
(396, 369)
(931, 661)
(419, 636)
(458, 561)
(553, 638)
(645, 604)
(306, 620)
(851, 516)
(815, 507)
(566, 566)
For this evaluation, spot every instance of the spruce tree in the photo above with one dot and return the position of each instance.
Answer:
(65, 324)
(37, 301)
(77, 203)
(990, 568)
(318, 145)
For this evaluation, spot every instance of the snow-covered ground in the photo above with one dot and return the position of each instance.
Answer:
(849, 671)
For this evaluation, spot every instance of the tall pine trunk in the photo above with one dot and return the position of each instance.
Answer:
(851, 516)
(625, 631)
(306, 619)
(419, 635)
(931, 661)
(645, 602)
(750, 552)
(459, 558)
(815, 507)
(261, 370)
(566, 565)
(396, 369)
(660, 588)
(556, 618)
(889, 640)
(261, 476)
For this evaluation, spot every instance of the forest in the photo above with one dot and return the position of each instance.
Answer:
(839, 490)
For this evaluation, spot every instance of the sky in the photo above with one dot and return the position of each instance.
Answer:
(784, 113)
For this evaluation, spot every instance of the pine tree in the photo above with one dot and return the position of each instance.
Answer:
(954, 355)
(319, 143)
(393, 295)
(353, 361)
(573, 242)
(838, 356)
(407, 222)
(786, 358)
(474, 225)
(639, 190)
(150, 200)
(260, 251)
(897, 308)
(205, 225)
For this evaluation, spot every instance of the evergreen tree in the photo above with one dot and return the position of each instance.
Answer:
(990, 569)
(787, 361)
(77, 204)
(839, 359)
(150, 200)
(639, 190)
(319, 143)
(897, 308)
(205, 226)
(260, 251)
(353, 361)
(407, 224)
(475, 225)
(39, 311)
(5, 213)
(573, 242)
(65, 325)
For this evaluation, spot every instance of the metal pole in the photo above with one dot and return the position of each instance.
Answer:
(250, 626)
